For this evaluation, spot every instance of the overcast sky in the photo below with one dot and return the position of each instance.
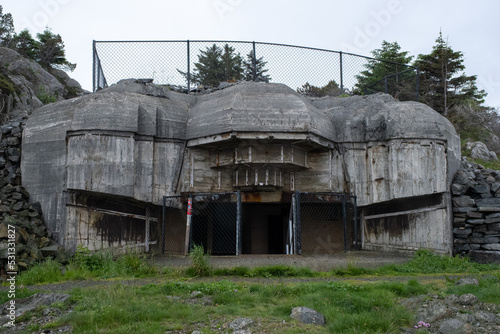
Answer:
(356, 26)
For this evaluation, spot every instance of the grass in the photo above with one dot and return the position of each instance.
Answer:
(87, 265)
(349, 306)
(169, 306)
(426, 262)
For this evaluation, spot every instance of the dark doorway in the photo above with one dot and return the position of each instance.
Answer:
(264, 228)
(275, 234)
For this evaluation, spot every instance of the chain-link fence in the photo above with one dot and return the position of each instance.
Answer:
(190, 66)
(310, 223)
(208, 220)
(328, 222)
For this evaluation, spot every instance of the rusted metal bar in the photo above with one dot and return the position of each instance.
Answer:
(400, 213)
(113, 213)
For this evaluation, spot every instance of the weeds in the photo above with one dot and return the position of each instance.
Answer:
(44, 96)
(425, 262)
(86, 264)
(200, 265)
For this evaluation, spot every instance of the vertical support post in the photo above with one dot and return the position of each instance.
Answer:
(238, 223)
(146, 233)
(94, 59)
(385, 84)
(163, 228)
(254, 62)
(188, 69)
(355, 208)
(188, 225)
(298, 229)
(341, 75)
(344, 219)
(418, 84)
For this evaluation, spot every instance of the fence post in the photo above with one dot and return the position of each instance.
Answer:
(298, 229)
(254, 62)
(93, 66)
(238, 222)
(163, 228)
(188, 225)
(147, 228)
(188, 69)
(385, 84)
(344, 220)
(341, 75)
(355, 208)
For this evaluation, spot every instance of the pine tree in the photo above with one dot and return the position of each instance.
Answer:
(51, 51)
(26, 45)
(260, 70)
(443, 83)
(393, 61)
(6, 28)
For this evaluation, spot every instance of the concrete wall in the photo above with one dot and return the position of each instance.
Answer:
(139, 142)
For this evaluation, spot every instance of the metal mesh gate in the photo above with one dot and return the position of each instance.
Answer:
(317, 223)
(326, 222)
(208, 220)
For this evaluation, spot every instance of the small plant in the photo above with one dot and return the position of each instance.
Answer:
(200, 265)
(422, 324)
(44, 96)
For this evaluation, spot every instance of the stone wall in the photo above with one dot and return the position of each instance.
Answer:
(32, 240)
(476, 212)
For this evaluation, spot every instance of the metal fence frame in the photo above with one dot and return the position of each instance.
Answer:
(295, 218)
(99, 78)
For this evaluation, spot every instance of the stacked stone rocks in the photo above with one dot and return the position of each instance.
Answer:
(32, 240)
(476, 212)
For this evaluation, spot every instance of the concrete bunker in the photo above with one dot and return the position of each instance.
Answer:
(102, 164)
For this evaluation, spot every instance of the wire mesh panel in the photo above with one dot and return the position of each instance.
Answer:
(213, 223)
(161, 61)
(191, 66)
(327, 223)
(174, 224)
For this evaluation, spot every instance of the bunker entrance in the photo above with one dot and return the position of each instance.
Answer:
(313, 223)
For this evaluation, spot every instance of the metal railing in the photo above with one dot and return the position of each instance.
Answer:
(311, 71)
(316, 223)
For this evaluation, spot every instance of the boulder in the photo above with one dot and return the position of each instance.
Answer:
(479, 150)
(306, 315)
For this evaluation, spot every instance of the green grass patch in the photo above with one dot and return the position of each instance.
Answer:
(156, 308)
(48, 271)
(426, 262)
(89, 265)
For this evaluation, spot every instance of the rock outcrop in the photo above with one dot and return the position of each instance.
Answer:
(26, 86)
(479, 150)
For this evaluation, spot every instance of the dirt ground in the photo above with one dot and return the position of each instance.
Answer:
(323, 262)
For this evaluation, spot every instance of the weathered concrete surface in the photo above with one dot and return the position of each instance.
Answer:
(138, 142)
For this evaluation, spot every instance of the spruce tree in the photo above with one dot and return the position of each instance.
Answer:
(209, 70)
(443, 83)
(233, 70)
(389, 60)
(260, 70)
